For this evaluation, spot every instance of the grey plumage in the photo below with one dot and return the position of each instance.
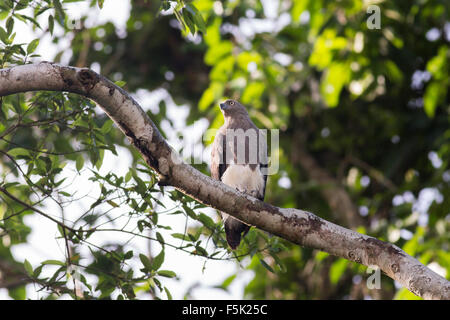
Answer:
(239, 159)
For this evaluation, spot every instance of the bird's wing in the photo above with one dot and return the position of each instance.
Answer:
(218, 165)
(263, 162)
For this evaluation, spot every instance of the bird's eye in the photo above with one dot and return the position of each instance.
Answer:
(231, 103)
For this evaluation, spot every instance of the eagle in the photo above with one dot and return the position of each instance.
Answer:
(239, 159)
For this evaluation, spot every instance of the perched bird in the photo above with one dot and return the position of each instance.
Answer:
(239, 159)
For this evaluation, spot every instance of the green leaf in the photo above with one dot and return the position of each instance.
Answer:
(79, 162)
(146, 262)
(337, 270)
(200, 23)
(107, 126)
(22, 4)
(17, 108)
(437, 65)
(28, 267)
(253, 93)
(167, 273)
(37, 271)
(32, 46)
(324, 47)
(141, 186)
(335, 78)
(9, 3)
(321, 255)
(297, 9)
(265, 265)
(210, 95)
(160, 238)
(218, 52)
(189, 212)
(169, 295)
(4, 36)
(4, 14)
(207, 221)
(212, 36)
(180, 236)
(128, 255)
(10, 184)
(228, 281)
(53, 262)
(60, 14)
(51, 24)
(197, 17)
(405, 294)
(18, 293)
(9, 25)
(246, 57)
(19, 152)
(279, 263)
(434, 95)
(189, 20)
(112, 204)
(393, 72)
(120, 83)
(158, 261)
(411, 246)
(101, 154)
(25, 18)
(128, 176)
(201, 251)
(223, 70)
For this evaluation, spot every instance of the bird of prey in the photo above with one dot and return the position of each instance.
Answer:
(239, 159)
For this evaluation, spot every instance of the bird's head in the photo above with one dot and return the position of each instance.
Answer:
(232, 108)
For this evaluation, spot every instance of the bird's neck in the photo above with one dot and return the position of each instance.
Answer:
(232, 122)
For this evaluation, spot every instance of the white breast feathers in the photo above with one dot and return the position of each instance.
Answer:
(244, 179)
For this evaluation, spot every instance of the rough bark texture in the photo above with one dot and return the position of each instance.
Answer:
(298, 226)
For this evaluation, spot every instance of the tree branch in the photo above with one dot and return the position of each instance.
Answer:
(298, 226)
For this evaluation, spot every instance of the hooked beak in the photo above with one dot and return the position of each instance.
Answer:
(223, 106)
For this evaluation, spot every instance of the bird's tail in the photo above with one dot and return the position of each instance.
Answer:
(234, 230)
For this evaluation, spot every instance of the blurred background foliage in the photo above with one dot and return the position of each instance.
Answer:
(363, 115)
